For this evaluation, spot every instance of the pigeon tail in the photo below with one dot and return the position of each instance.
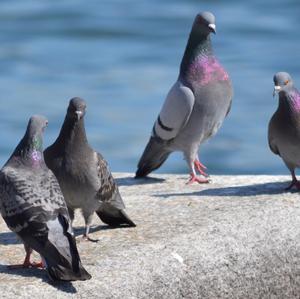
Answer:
(63, 264)
(114, 217)
(60, 273)
(59, 266)
(155, 154)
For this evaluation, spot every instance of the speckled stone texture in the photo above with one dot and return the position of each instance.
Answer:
(238, 237)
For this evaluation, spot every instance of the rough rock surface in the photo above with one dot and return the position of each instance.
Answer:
(238, 237)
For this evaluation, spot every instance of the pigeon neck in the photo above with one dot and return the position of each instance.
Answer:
(72, 134)
(289, 101)
(30, 150)
(198, 45)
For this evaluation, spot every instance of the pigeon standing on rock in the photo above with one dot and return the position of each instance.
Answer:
(33, 207)
(284, 126)
(195, 106)
(83, 174)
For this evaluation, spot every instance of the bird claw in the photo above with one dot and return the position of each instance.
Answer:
(39, 265)
(27, 265)
(200, 164)
(195, 179)
(200, 167)
(87, 238)
(295, 183)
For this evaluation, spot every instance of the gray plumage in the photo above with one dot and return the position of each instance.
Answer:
(284, 126)
(33, 207)
(83, 174)
(195, 106)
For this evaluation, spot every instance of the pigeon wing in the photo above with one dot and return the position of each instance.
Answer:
(108, 187)
(25, 199)
(112, 208)
(175, 112)
(271, 139)
(35, 210)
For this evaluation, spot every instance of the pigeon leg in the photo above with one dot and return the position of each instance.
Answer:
(294, 182)
(26, 263)
(200, 167)
(194, 178)
(88, 220)
(71, 213)
(86, 236)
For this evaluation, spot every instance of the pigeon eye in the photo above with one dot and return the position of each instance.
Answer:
(286, 82)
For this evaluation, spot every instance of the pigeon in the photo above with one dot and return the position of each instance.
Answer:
(195, 106)
(33, 207)
(83, 174)
(284, 126)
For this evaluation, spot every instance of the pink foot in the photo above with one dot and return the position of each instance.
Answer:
(195, 179)
(295, 183)
(39, 265)
(26, 265)
(200, 167)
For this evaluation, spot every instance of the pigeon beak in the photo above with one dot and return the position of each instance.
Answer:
(276, 90)
(212, 28)
(79, 114)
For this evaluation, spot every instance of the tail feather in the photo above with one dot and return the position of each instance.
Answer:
(114, 217)
(155, 154)
(60, 269)
(58, 266)
(59, 273)
(62, 257)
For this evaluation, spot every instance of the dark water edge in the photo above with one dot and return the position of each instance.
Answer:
(122, 57)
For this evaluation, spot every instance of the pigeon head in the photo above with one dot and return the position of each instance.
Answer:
(205, 23)
(30, 148)
(76, 109)
(199, 44)
(282, 82)
(36, 125)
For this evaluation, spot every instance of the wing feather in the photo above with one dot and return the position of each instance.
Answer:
(108, 190)
(175, 112)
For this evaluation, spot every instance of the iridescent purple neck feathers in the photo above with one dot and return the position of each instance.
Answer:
(196, 46)
(295, 100)
(204, 70)
(36, 157)
(290, 100)
(29, 151)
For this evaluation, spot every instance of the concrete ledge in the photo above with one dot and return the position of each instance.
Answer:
(238, 237)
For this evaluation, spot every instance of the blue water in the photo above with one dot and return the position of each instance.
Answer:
(122, 56)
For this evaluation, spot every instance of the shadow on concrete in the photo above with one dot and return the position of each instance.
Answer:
(79, 231)
(9, 238)
(64, 286)
(131, 181)
(247, 190)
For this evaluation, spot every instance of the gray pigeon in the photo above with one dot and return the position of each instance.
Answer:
(195, 106)
(83, 174)
(33, 207)
(284, 126)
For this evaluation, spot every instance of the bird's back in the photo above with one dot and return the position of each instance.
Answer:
(33, 207)
(25, 191)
